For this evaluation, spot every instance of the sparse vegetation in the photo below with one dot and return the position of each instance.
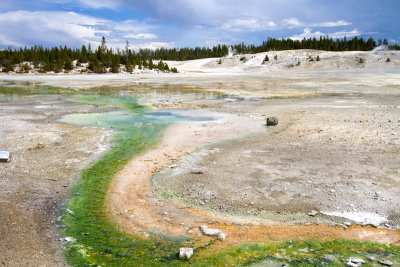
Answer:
(361, 60)
(276, 57)
(243, 59)
(318, 58)
(298, 63)
(266, 59)
(388, 59)
(220, 61)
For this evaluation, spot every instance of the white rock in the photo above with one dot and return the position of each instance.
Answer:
(212, 232)
(371, 258)
(313, 213)
(357, 260)
(70, 239)
(350, 264)
(185, 253)
(385, 262)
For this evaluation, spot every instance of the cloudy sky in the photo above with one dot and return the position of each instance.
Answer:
(179, 23)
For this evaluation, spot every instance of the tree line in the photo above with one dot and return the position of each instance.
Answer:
(323, 43)
(57, 59)
(103, 59)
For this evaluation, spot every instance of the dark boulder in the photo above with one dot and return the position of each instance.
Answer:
(271, 121)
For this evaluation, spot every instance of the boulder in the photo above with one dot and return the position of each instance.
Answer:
(185, 253)
(271, 121)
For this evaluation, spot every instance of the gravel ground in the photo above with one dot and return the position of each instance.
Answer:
(46, 156)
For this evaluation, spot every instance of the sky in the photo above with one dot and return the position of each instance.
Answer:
(189, 23)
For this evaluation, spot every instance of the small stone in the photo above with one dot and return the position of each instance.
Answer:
(196, 172)
(371, 258)
(40, 145)
(5, 156)
(350, 264)
(69, 239)
(173, 166)
(329, 257)
(385, 262)
(347, 223)
(185, 253)
(313, 213)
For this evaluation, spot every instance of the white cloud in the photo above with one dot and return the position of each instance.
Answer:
(154, 45)
(307, 33)
(332, 24)
(249, 25)
(140, 36)
(292, 23)
(20, 28)
(6, 42)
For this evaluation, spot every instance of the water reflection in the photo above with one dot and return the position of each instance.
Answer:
(16, 90)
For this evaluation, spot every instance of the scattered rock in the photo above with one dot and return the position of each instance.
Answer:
(196, 172)
(271, 121)
(351, 264)
(185, 253)
(329, 257)
(71, 213)
(313, 213)
(357, 260)
(347, 223)
(212, 232)
(40, 145)
(173, 166)
(5, 156)
(371, 258)
(385, 262)
(69, 239)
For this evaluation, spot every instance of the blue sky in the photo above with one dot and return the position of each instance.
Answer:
(179, 23)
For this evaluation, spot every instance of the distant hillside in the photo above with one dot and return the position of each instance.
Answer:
(103, 60)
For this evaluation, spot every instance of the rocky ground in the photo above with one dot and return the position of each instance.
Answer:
(46, 155)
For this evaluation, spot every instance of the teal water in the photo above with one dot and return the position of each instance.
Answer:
(97, 239)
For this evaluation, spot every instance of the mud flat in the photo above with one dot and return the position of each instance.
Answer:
(46, 156)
